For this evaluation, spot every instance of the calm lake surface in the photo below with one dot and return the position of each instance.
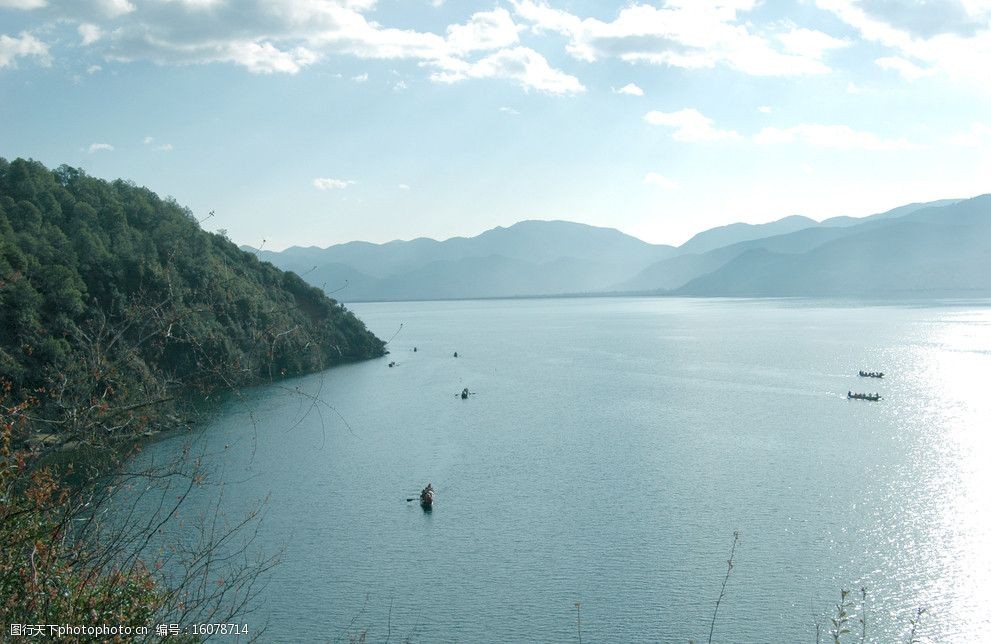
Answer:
(611, 450)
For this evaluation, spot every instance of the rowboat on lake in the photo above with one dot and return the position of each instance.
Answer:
(427, 497)
(852, 396)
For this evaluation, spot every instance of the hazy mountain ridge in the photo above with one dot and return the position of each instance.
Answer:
(734, 233)
(792, 256)
(673, 273)
(939, 251)
(900, 211)
(527, 258)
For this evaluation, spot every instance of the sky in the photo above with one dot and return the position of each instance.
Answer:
(314, 122)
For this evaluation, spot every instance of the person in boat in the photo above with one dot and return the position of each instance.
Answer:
(455, 354)
(427, 495)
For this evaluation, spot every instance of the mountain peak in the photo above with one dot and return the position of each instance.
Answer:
(738, 232)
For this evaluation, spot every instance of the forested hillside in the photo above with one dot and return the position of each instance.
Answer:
(113, 297)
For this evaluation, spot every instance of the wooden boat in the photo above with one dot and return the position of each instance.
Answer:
(392, 364)
(872, 374)
(427, 497)
(464, 394)
(873, 397)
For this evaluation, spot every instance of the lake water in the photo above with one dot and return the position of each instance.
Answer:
(611, 449)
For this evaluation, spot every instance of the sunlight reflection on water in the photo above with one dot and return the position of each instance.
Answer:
(939, 403)
(952, 462)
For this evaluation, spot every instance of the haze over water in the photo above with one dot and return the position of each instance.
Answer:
(611, 449)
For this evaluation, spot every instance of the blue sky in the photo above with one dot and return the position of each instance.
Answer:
(313, 122)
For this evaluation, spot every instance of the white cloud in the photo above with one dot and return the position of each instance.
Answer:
(403, 186)
(326, 183)
(90, 33)
(266, 58)
(23, 4)
(544, 18)
(202, 5)
(810, 43)
(684, 33)
(115, 8)
(925, 37)
(972, 138)
(909, 70)
(485, 30)
(162, 147)
(92, 69)
(520, 64)
(510, 111)
(655, 179)
(286, 36)
(765, 109)
(689, 125)
(400, 86)
(360, 78)
(630, 88)
(100, 147)
(841, 137)
(12, 48)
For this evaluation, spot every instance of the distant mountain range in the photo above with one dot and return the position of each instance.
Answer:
(942, 251)
(679, 270)
(528, 258)
(939, 249)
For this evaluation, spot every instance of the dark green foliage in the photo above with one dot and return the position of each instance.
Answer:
(108, 282)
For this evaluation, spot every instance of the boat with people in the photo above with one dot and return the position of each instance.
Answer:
(852, 396)
(464, 393)
(427, 496)
(872, 374)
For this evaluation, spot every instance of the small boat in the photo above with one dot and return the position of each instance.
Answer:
(464, 394)
(872, 374)
(392, 364)
(455, 354)
(852, 396)
(427, 497)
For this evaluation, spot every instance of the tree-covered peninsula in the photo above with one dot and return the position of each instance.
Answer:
(109, 293)
(118, 311)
